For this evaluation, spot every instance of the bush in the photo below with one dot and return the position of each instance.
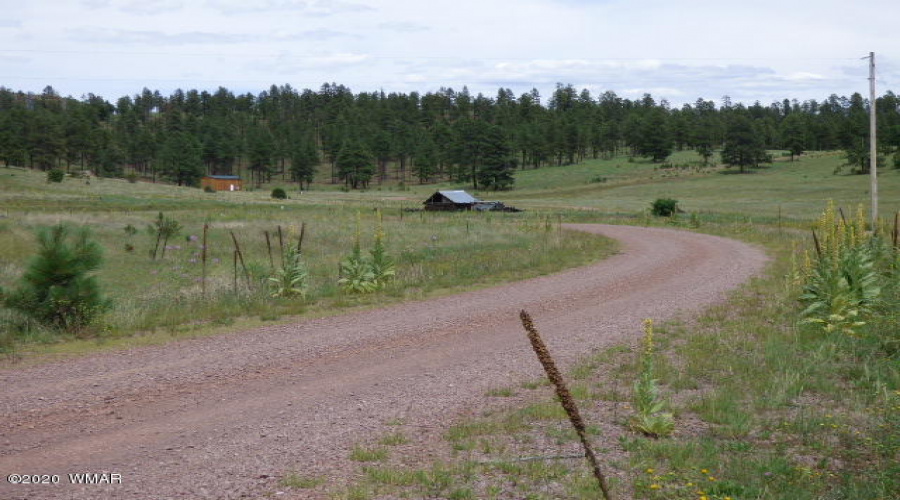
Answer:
(57, 288)
(131, 178)
(664, 207)
(209, 189)
(55, 175)
(279, 194)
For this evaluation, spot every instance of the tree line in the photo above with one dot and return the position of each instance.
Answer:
(443, 135)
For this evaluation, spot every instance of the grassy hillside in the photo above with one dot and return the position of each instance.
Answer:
(796, 189)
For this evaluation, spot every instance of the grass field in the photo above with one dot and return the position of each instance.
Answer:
(435, 253)
(797, 189)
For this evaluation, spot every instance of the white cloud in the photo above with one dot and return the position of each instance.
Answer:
(318, 34)
(116, 36)
(402, 26)
(803, 76)
(308, 7)
(307, 66)
(137, 6)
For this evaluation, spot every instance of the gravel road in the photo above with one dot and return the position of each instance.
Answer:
(225, 416)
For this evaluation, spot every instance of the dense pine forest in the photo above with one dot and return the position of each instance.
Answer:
(336, 136)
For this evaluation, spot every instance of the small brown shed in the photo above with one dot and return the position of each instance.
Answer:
(222, 182)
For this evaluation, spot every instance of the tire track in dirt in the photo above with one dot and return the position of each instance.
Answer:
(224, 416)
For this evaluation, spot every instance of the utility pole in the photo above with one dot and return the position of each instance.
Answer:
(873, 153)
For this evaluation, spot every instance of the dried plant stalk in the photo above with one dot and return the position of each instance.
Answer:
(203, 258)
(240, 256)
(269, 249)
(565, 397)
(896, 228)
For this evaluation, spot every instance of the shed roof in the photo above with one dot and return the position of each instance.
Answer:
(225, 177)
(458, 196)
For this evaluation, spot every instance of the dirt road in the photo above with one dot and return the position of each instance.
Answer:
(223, 417)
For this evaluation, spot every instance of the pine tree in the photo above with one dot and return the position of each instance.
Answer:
(304, 160)
(58, 289)
(181, 159)
(355, 165)
(792, 135)
(497, 163)
(655, 140)
(743, 147)
(259, 153)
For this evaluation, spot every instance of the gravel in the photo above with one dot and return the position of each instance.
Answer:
(226, 416)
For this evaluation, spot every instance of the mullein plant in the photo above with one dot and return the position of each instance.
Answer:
(381, 265)
(355, 274)
(650, 417)
(292, 280)
(364, 275)
(841, 282)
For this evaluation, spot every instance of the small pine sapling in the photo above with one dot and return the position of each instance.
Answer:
(58, 288)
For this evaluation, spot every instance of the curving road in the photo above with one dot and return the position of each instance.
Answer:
(224, 416)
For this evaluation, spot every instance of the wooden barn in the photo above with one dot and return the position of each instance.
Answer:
(222, 182)
(450, 200)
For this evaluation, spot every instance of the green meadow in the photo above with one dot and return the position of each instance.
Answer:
(155, 299)
(796, 189)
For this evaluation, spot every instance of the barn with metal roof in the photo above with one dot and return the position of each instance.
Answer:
(450, 200)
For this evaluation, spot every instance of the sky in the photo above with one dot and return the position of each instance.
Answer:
(677, 50)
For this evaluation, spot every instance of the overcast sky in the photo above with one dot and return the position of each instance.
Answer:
(678, 50)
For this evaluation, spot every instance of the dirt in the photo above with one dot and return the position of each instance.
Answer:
(227, 416)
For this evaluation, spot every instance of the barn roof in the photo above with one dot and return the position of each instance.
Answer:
(225, 177)
(458, 196)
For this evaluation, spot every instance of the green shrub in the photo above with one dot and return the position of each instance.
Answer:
(279, 194)
(131, 178)
(57, 288)
(664, 207)
(55, 175)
